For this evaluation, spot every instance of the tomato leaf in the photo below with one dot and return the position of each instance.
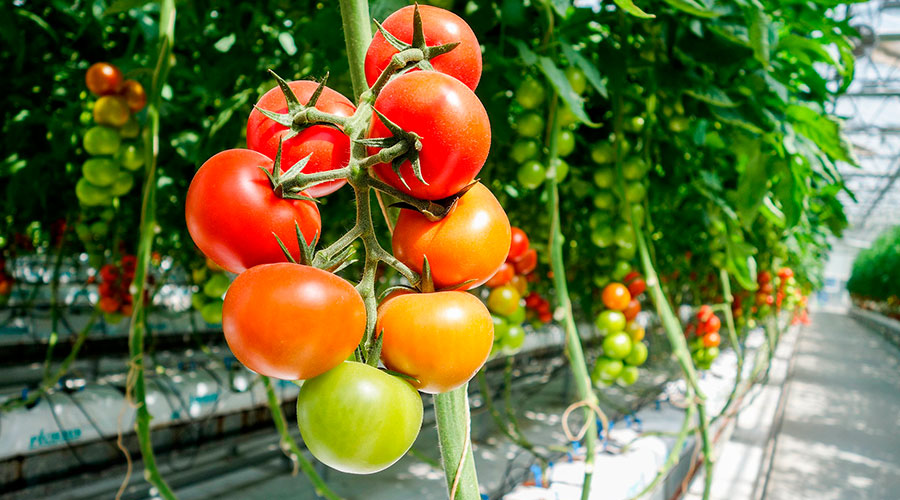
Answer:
(558, 80)
(561, 7)
(712, 95)
(693, 8)
(760, 27)
(752, 184)
(629, 7)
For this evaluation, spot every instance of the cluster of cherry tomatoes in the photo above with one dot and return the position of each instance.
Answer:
(115, 281)
(705, 344)
(6, 282)
(93, 229)
(623, 347)
(508, 285)
(107, 174)
(208, 299)
(298, 322)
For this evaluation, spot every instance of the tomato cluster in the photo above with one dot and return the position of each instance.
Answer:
(623, 349)
(213, 282)
(114, 283)
(705, 344)
(115, 154)
(250, 210)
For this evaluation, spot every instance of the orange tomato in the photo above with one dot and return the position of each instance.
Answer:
(712, 339)
(470, 243)
(502, 276)
(616, 296)
(103, 78)
(134, 95)
(632, 309)
(440, 338)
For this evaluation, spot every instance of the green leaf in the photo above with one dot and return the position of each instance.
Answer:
(824, 130)
(693, 8)
(629, 7)
(759, 35)
(590, 70)
(561, 7)
(771, 212)
(751, 186)
(118, 6)
(225, 43)
(741, 263)
(236, 102)
(558, 80)
(287, 43)
(736, 118)
(795, 43)
(712, 95)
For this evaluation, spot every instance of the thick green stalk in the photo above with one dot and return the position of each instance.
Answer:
(54, 307)
(675, 453)
(733, 339)
(289, 445)
(357, 35)
(136, 387)
(451, 410)
(574, 350)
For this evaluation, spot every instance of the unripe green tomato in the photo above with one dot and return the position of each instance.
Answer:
(621, 269)
(198, 300)
(599, 219)
(626, 252)
(613, 322)
(566, 117)
(601, 280)
(503, 300)
(108, 214)
(217, 285)
(101, 140)
(629, 376)
(212, 312)
(712, 353)
(635, 124)
(99, 229)
(122, 185)
(100, 171)
(679, 123)
(565, 143)
(530, 125)
(638, 354)
(635, 192)
(524, 150)
(91, 195)
(513, 340)
(603, 237)
(530, 93)
(637, 214)
(531, 174)
(83, 231)
(634, 168)
(696, 344)
(617, 345)
(518, 316)
(501, 326)
(606, 370)
(603, 152)
(577, 79)
(604, 200)
(131, 129)
(198, 275)
(131, 155)
(562, 169)
(625, 236)
(604, 177)
(86, 118)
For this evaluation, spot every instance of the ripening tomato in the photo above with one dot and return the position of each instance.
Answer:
(635, 331)
(704, 313)
(103, 78)
(712, 339)
(632, 309)
(440, 26)
(109, 304)
(101, 140)
(518, 244)
(785, 273)
(232, 211)
(520, 283)
(134, 95)
(527, 262)
(264, 305)
(470, 243)
(763, 277)
(441, 339)
(615, 296)
(713, 324)
(453, 125)
(502, 276)
(111, 110)
(329, 147)
(503, 300)
(358, 419)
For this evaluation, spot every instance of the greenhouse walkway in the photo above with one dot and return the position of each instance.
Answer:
(839, 437)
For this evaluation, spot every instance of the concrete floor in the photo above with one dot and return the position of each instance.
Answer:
(840, 435)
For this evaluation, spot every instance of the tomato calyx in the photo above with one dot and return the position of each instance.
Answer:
(433, 210)
(402, 146)
(301, 116)
(410, 55)
(290, 184)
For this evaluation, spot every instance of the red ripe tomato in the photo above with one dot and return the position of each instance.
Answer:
(631, 276)
(134, 95)
(763, 277)
(109, 273)
(632, 309)
(440, 27)
(711, 339)
(616, 296)
(704, 313)
(441, 338)
(533, 300)
(106, 289)
(329, 147)
(232, 211)
(109, 304)
(261, 313)
(518, 244)
(103, 78)
(527, 262)
(766, 288)
(453, 125)
(470, 243)
(713, 324)
(637, 287)
(785, 273)
(502, 276)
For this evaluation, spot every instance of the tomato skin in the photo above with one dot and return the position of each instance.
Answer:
(134, 95)
(440, 26)
(629, 376)
(606, 370)
(638, 354)
(504, 300)
(611, 321)
(637, 287)
(635, 331)
(263, 305)
(502, 276)
(712, 339)
(615, 296)
(527, 262)
(329, 147)
(471, 242)
(111, 110)
(441, 338)
(711, 325)
(231, 212)
(518, 244)
(453, 125)
(632, 309)
(101, 140)
(358, 419)
(617, 345)
(103, 78)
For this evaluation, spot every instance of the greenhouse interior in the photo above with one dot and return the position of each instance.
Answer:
(472, 249)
